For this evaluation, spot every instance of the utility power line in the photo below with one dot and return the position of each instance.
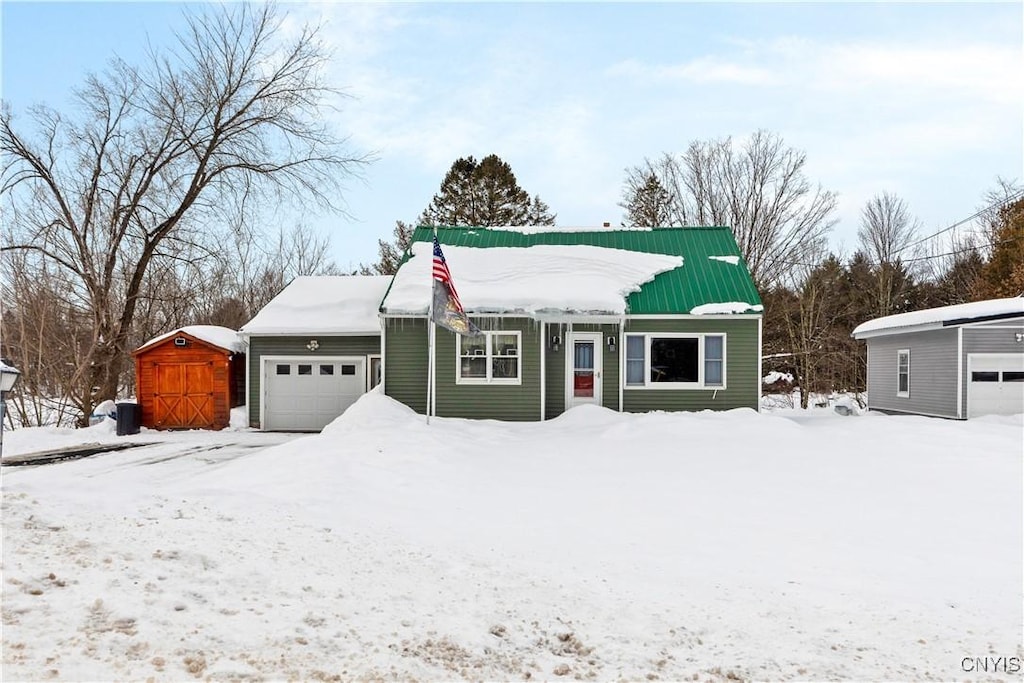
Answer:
(1016, 195)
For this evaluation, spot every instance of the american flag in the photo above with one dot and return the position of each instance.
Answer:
(441, 273)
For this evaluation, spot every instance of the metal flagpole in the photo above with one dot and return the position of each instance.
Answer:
(431, 333)
(430, 338)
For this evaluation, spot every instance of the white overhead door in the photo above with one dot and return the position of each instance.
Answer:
(995, 384)
(305, 394)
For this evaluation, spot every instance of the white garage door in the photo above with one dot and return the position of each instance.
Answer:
(995, 384)
(305, 394)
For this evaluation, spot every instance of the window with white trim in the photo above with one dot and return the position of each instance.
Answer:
(491, 358)
(903, 373)
(675, 361)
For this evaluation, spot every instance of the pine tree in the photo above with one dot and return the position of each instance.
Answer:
(647, 206)
(391, 253)
(484, 193)
(539, 213)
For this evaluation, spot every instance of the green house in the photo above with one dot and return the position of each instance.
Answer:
(630, 319)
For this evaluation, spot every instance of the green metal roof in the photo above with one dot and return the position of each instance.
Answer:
(700, 280)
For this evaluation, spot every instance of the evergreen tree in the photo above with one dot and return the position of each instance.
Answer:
(1003, 274)
(484, 193)
(647, 205)
(391, 253)
(540, 213)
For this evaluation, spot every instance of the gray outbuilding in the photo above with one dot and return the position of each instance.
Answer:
(956, 361)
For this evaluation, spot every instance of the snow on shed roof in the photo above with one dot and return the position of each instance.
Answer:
(323, 304)
(221, 337)
(944, 315)
(534, 279)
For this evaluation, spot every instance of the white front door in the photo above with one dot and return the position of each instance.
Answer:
(583, 369)
(995, 384)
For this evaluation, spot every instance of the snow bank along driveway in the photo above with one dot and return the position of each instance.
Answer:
(595, 546)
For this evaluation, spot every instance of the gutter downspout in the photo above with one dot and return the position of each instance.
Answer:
(622, 358)
(383, 355)
(960, 373)
(760, 361)
(543, 371)
(248, 381)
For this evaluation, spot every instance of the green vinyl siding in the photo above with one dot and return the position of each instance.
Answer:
(741, 349)
(405, 368)
(554, 369)
(296, 346)
(497, 402)
(405, 361)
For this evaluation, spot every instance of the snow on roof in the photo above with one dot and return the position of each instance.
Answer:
(577, 278)
(734, 260)
(931, 316)
(325, 304)
(216, 335)
(726, 308)
(534, 229)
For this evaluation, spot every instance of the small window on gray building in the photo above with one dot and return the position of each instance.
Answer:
(903, 373)
(305, 369)
(1013, 376)
(985, 376)
(326, 369)
(348, 369)
(284, 369)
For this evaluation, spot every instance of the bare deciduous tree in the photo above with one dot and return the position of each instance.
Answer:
(156, 154)
(758, 189)
(886, 231)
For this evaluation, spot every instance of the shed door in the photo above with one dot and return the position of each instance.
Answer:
(306, 394)
(183, 397)
(995, 384)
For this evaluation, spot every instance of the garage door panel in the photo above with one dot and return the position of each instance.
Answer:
(307, 394)
(995, 385)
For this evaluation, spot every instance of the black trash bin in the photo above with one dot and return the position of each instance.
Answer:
(129, 418)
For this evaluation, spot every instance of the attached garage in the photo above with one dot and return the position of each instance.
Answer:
(995, 384)
(190, 378)
(313, 350)
(306, 393)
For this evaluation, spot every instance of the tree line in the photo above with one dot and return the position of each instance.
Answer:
(138, 210)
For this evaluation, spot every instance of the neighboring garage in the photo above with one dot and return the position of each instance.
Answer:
(959, 361)
(190, 378)
(313, 351)
(995, 384)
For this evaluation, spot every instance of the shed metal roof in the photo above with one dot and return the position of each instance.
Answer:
(701, 280)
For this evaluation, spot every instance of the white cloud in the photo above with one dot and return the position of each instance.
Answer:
(993, 73)
(703, 70)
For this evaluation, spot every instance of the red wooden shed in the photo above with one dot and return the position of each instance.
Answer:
(190, 378)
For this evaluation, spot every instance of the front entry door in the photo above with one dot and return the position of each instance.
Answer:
(583, 369)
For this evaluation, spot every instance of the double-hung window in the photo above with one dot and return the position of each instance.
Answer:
(675, 361)
(903, 373)
(490, 358)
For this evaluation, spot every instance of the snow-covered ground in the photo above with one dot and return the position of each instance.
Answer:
(788, 545)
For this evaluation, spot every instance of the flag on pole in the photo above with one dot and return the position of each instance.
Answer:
(447, 310)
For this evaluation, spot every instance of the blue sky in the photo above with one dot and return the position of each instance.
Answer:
(922, 99)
